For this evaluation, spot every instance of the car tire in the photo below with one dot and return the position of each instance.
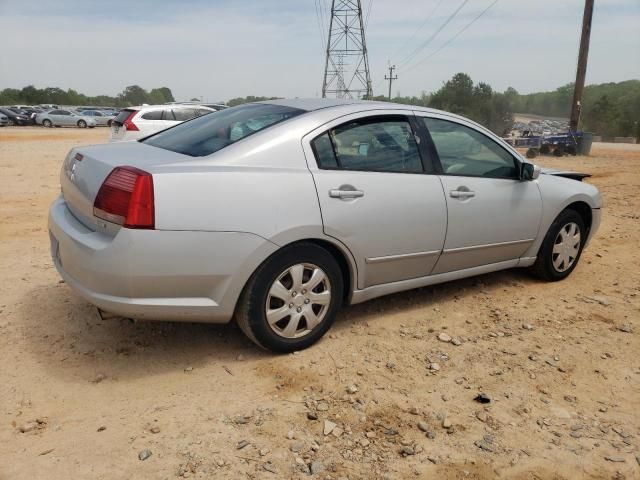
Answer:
(548, 265)
(109, 123)
(11, 123)
(289, 329)
(82, 124)
(47, 123)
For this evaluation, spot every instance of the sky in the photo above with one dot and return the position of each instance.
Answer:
(220, 49)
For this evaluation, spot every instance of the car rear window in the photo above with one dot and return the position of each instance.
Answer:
(209, 133)
(122, 116)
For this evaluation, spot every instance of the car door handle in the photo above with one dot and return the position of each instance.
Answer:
(462, 194)
(335, 193)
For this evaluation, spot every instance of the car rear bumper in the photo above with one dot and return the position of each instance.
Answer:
(155, 274)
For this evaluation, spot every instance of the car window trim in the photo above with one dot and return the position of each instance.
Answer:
(434, 150)
(364, 121)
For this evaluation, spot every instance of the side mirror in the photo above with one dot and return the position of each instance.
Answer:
(529, 171)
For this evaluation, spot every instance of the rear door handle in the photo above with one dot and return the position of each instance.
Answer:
(346, 193)
(462, 194)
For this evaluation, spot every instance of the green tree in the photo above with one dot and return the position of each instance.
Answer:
(134, 95)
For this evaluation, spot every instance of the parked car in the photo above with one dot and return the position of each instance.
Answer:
(64, 118)
(15, 118)
(276, 213)
(31, 112)
(101, 118)
(138, 122)
(4, 120)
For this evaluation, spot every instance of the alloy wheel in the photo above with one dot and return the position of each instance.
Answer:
(566, 247)
(298, 300)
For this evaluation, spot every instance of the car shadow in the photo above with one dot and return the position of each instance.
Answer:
(422, 298)
(69, 339)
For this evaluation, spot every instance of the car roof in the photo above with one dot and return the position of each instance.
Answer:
(313, 104)
(144, 108)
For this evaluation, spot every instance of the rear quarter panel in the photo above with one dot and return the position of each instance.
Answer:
(260, 185)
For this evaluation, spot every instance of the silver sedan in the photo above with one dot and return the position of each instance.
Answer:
(102, 119)
(277, 213)
(64, 118)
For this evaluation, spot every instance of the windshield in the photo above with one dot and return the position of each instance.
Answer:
(207, 134)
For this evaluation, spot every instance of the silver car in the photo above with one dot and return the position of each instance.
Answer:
(64, 118)
(4, 120)
(277, 213)
(102, 119)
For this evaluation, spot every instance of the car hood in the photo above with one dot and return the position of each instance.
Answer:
(565, 173)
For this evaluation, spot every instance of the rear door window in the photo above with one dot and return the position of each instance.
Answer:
(183, 114)
(381, 144)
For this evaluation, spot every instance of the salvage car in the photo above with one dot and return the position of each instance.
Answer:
(15, 118)
(64, 118)
(102, 119)
(277, 213)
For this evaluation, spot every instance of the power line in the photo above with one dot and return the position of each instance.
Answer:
(406, 42)
(320, 25)
(426, 43)
(475, 19)
(366, 21)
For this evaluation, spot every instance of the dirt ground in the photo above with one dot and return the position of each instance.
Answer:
(559, 362)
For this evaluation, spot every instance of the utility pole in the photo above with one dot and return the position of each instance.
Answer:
(346, 67)
(576, 106)
(391, 78)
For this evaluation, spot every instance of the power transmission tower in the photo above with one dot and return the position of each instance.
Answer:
(391, 78)
(346, 68)
(581, 73)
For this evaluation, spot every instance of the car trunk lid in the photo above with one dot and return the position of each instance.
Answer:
(86, 168)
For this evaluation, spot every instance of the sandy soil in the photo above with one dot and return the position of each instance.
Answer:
(562, 375)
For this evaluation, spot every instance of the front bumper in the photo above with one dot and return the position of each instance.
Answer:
(596, 218)
(155, 274)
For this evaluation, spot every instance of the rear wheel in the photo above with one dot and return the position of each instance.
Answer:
(561, 248)
(82, 124)
(47, 123)
(292, 299)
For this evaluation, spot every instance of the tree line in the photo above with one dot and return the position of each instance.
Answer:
(131, 95)
(609, 109)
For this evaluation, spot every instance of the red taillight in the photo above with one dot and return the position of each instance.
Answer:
(126, 198)
(128, 123)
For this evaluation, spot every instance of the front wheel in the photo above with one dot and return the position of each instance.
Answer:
(47, 123)
(561, 248)
(292, 299)
(82, 124)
